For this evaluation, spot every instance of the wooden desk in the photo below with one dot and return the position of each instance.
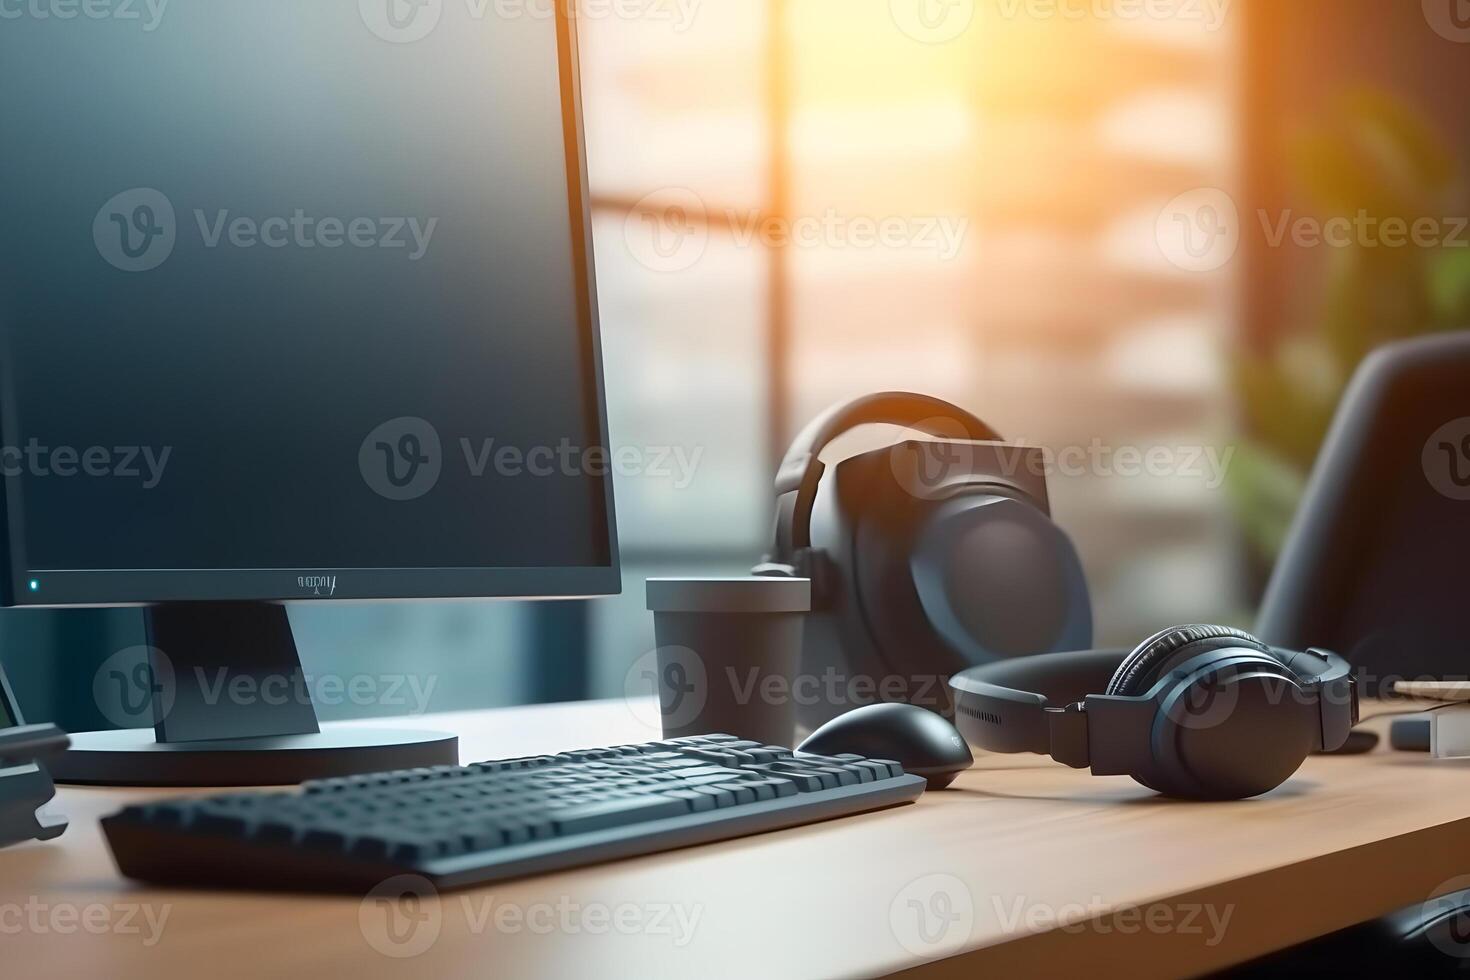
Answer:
(1143, 886)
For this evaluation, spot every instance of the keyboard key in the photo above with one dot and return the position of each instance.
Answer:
(778, 787)
(698, 802)
(723, 798)
(801, 782)
(743, 793)
(618, 813)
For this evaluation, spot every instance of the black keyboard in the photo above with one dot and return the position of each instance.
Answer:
(464, 825)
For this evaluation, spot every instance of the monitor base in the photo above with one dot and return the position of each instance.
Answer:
(133, 757)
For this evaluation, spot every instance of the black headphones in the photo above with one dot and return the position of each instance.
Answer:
(926, 557)
(1200, 712)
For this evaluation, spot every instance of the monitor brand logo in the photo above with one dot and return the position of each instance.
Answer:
(136, 230)
(402, 459)
(320, 585)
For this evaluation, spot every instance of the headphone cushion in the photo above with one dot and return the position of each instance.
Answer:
(1140, 668)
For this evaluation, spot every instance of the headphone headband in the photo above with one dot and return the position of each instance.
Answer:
(801, 470)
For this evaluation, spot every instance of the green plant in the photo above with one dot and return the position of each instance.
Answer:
(1370, 157)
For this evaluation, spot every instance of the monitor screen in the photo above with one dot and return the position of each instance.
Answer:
(295, 303)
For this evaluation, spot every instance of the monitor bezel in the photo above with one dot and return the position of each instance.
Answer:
(71, 588)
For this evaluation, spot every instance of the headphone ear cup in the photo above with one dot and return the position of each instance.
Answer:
(1141, 668)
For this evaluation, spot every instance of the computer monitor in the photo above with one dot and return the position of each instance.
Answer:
(296, 305)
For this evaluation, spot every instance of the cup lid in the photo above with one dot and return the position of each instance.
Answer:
(745, 594)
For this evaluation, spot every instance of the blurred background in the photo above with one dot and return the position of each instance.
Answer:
(1088, 221)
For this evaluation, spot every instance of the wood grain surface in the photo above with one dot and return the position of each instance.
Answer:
(1023, 869)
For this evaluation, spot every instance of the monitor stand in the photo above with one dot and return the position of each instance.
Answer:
(232, 707)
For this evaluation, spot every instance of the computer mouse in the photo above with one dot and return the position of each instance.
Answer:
(923, 742)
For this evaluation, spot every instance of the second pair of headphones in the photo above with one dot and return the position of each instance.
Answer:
(926, 557)
(1199, 712)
